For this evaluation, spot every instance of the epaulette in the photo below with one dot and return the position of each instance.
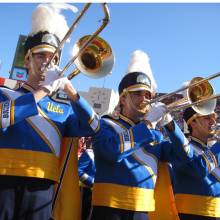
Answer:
(108, 116)
(14, 87)
(111, 117)
(60, 97)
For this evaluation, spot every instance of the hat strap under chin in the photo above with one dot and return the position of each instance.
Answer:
(32, 63)
(132, 104)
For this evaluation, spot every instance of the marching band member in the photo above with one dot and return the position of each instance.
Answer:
(197, 187)
(86, 170)
(33, 125)
(127, 148)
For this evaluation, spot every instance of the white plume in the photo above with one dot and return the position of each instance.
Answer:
(47, 17)
(140, 63)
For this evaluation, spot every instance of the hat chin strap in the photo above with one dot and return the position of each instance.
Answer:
(32, 64)
(140, 110)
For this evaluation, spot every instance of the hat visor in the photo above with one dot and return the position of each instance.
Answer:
(43, 48)
(137, 87)
(197, 115)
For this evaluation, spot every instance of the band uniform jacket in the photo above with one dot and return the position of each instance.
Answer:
(31, 133)
(126, 158)
(86, 168)
(196, 183)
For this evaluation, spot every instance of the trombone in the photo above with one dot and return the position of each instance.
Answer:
(202, 106)
(200, 97)
(92, 55)
(159, 98)
(95, 61)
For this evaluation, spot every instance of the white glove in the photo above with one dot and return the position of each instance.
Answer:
(166, 119)
(157, 111)
(52, 74)
(57, 84)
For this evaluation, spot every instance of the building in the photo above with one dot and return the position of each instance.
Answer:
(103, 100)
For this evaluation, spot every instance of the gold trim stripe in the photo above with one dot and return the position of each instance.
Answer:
(198, 205)
(149, 161)
(49, 121)
(40, 134)
(131, 138)
(123, 197)
(12, 113)
(29, 163)
(121, 143)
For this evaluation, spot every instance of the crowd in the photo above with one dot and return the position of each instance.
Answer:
(134, 164)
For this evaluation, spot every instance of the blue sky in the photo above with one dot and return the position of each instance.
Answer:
(181, 39)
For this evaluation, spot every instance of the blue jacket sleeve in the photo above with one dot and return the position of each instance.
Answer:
(86, 169)
(179, 148)
(79, 121)
(86, 114)
(203, 162)
(181, 155)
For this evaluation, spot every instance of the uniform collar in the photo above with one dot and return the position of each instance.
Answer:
(124, 118)
(27, 87)
(194, 139)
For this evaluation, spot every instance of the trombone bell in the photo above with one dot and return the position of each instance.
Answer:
(96, 60)
(200, 97)
(201, 91)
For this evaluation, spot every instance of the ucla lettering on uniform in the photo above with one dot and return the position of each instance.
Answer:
(5, 114)
(54, 108)
(6, 110)
(126, 136)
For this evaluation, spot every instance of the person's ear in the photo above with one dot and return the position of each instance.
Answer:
(27, 62)
(122, 99)
(193, 124)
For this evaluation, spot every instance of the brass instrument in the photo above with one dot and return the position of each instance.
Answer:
(96, 60)
(157, 99)
(92, 55)
(200, 97)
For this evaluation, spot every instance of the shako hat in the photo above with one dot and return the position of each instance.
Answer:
(139, 75)
(190, 114)
(48, 28)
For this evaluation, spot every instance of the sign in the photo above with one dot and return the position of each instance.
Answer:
(18, 71)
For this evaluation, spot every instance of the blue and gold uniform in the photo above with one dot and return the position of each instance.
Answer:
(127, 162)
(197, 186)
(86, 170)
(126, 158)
(31, 133)
(127, 154)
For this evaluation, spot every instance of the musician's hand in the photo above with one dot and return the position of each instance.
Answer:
(50, 76)
(70, 90)
(56, 85)
(166, 119)
(156, 113)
